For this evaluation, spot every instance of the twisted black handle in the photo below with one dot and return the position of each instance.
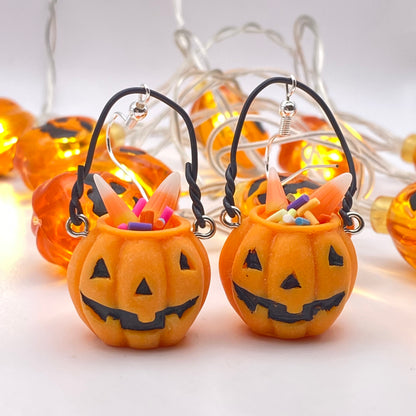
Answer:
(231, 171)
(191, 168)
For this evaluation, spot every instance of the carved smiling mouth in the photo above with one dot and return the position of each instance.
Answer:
(278, 311)
(129, 320)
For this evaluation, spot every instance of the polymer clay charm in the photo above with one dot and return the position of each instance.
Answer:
(134, 280)
(290, 266)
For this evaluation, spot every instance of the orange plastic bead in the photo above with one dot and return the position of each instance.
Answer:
(14, 121)
(58, 146)
(252, 131)
(249, 194)
(291, 154)
(401, 223)
(148, 170)
(50, 203)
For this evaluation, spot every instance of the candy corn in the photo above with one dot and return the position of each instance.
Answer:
(275, 194)
(117, 209)
(166, 195)
(330, 195)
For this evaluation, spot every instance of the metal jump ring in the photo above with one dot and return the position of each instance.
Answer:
(292, 88)
(358, 223)
(227, 220)
(78, 234)
(144, 98)
(209, 233)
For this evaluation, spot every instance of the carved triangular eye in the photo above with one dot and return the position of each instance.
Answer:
(290, 282)
(143, 288)
(183, 261)
(98, 207)
(100, 270)
(412, 201)
(334, 258)
(252, 261)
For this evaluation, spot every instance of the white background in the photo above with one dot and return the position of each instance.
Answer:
(49, 361)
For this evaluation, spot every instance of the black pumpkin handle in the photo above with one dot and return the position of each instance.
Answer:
(231, 171)
(191, 168)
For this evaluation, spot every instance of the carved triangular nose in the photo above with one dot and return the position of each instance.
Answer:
(143, 288)
(290, 282)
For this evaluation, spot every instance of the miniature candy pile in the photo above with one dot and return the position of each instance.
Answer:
(307, 209)
(146, 215)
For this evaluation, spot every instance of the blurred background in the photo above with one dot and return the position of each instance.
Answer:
(101, 47)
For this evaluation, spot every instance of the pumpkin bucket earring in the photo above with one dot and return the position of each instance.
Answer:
(289, 267)
(140, 277)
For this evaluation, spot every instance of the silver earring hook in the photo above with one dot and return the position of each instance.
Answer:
(138, 109)
(122, 167)
(292, 89)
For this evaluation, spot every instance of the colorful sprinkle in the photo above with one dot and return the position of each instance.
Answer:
(312, 203)
(139, 226)
(311, 218)
(302, 221)
(277, 216)
(297, 203)
(288, 219)
(138, 208)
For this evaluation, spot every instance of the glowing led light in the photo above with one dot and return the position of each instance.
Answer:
(12, 239)
(251, 131)
(292, 154)
(10, 142)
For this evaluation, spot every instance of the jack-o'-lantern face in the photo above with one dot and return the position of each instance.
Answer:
(58, 146)
(140, 289)
(288, 281)
(249, 194)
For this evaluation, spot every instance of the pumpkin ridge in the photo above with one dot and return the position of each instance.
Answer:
(312, 243)
(118, 291)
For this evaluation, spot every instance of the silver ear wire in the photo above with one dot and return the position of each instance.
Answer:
(122, 167)
(287, 109)
(138, 110)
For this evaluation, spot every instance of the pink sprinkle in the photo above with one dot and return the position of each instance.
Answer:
(166, 214)
(122, 226)
(139, 206)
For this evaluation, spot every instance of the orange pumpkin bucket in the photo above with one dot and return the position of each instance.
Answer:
(143, 284)
(289, 267)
